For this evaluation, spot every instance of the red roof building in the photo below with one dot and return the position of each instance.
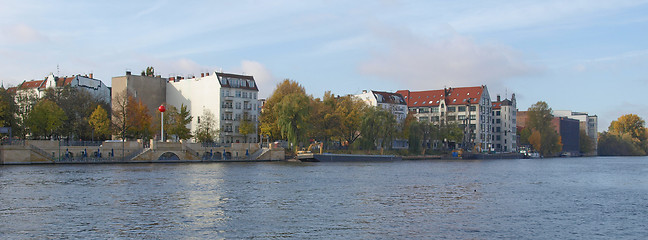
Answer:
(469, 107)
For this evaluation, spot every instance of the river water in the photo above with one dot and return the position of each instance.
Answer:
(562, 198)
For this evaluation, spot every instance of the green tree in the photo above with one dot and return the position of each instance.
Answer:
(100, 123)
(350, 110)
(246, 128)
(268, 119)
(415, 138)
(378, 127)
(611, 144)
(180, 120)
(78, 105)
(539, 119)
(626, 136)
(206, 130)
(586, 143)
(45, 119)
(293, 113)
(8, 109)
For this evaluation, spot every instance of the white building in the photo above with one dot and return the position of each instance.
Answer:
(504, 125)
(466, 106)
(28, 92)
(231, 98)
(393, 102)
(589, 123)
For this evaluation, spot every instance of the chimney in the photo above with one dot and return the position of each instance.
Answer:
(498, 97)
(128, 73)
(202, 74)
(207, 74)
(90, 75)
(171, 79)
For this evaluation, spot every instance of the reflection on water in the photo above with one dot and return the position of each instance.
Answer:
(548, 198)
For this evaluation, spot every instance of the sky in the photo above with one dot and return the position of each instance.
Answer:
(586, 56)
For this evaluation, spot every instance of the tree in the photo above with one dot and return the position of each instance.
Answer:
(78, 105)
(120, 123)
(8, 109)
(378, 127)
(206, 131)
(629, 124)
(539, 119)
(138, 119)
(246, 128)
(180, 120)
(100, 123)
(268, 119)
(535, 140)
(148, 72)
(350, 110)
(586, 143)
(611, 144)
(45, 119)
(414, 130)
(292, 114)
(627, 136)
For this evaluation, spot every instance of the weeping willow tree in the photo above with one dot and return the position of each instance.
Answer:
(292, 113)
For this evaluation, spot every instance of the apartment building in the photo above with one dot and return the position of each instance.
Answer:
(469, 107)
(392, 102)
(504, 124)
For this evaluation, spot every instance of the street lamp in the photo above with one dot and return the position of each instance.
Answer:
(162, 109)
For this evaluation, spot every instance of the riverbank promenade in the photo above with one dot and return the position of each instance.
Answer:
(51, 152)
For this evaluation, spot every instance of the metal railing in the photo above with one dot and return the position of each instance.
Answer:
(40, 151)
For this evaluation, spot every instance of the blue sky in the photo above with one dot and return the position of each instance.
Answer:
(589, 56)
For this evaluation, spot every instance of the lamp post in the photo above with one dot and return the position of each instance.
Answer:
(162, 109)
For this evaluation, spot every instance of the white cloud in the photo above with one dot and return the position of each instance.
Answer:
(420, 63)
(263, 77)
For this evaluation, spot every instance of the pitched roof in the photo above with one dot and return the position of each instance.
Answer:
(64, 81)
(505, 102)
(12, 89)
(229, 80)
(455, 96)
(387, 97)
(31, 84)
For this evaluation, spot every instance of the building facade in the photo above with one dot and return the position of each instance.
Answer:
(392, 102)
(29, 92)
(504, 123)
(469, 107)
(589, 123)
(231, 98)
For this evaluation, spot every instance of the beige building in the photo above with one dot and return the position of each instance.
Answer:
(230, 98)
(470, 107)
(504, 121)
(150, 89)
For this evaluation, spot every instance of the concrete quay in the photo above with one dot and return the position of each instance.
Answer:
(53, 152)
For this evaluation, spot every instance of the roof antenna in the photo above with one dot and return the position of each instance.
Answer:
(58, 72)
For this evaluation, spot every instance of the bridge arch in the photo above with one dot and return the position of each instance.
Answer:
(169, 156)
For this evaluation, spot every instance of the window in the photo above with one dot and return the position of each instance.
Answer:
(423, 119)
(497, 113)
(451, 109)
(473, 108)
(473, 117)
(245, 94)
(461, 117)
(461, 108)
(498, 129)
(238, 93)
(497, 121)
(451, 118)
(238, 105)
(435, 118)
